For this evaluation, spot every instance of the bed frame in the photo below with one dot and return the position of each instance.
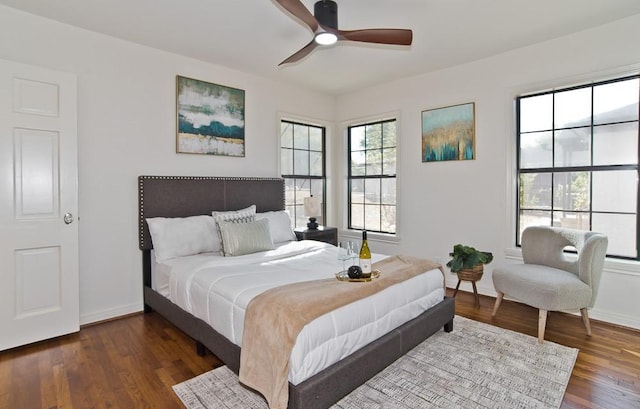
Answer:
(182, 196)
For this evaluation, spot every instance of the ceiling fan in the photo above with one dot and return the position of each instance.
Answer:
(324, 24)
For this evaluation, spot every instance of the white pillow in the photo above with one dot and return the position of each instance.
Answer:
(280, 225)
(243, 214)
(183, 236)
(245, 238)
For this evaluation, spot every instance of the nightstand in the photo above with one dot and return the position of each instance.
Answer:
(322, 233)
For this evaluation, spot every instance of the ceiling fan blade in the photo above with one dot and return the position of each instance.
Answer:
(300, 54)
(394, 36)
(298, 9)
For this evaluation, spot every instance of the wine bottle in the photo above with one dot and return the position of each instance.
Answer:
(365, 255)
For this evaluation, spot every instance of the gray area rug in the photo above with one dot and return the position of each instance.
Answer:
(475, 366)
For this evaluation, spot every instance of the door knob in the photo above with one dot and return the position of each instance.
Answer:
(68, 218)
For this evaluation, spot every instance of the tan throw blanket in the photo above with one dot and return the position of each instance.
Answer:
(274, 319)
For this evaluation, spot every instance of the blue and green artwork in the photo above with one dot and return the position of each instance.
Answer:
(448, 133)
(210, 118)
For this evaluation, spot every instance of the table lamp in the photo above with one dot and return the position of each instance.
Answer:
(312, 210)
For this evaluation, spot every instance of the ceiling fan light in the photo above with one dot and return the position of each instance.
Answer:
(326, 38)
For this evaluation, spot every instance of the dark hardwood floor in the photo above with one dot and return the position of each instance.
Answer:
(132, 362)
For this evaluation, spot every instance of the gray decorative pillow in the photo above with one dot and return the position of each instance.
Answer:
(245, 238)
(236, 216)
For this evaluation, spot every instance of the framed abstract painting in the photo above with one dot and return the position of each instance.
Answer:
(210, 118)
(449, 133)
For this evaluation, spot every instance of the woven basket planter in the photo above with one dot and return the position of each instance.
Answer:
(473, 274)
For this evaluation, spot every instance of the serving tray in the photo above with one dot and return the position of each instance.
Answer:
(343, 276)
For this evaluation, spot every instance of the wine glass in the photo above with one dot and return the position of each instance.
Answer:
(344, 253)
(354, 253)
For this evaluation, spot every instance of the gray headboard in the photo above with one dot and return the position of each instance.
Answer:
(182, 196)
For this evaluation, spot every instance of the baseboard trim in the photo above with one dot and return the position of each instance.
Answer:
(106, 315)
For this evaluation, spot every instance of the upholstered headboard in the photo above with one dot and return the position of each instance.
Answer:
(182, 196)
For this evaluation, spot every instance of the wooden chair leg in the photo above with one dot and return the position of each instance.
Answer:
(456, 290)
(542, 323)
(497, 304)
(585, 320)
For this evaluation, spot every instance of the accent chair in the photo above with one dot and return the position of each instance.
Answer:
(550, 279)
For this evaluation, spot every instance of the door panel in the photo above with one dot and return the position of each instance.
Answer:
(38, 184)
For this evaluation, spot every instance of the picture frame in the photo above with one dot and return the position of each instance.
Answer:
(209, 118)
(448, 133)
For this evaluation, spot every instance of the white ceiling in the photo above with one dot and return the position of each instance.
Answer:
(254, 36)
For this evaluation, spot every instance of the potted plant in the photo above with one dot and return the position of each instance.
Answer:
(468, 262)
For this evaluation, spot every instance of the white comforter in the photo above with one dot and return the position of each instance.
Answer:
(218, 289)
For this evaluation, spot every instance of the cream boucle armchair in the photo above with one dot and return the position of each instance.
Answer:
(549, 279)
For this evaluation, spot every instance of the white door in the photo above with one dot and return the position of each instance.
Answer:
(39, 296)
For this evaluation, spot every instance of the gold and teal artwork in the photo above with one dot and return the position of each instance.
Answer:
(448, 133)
(210, 118)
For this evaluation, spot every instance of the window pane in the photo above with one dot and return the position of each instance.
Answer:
(572, 220)
(615, 191)
(290, 192)
(535, 190)
(615, 144)
(357, 191)
(536, 113)
(315, 139)
(372, 217)
(316, 163)
(616, 102)
(303, 189)
(286, 135)
(300, 136)
(389, 134)
(357, 216)
(388, 191)
(533, 218)
(573, 147)
(388, 219)
(373, 136)
(301, 162)
(357, 138)
(389, 161)
(536, 150)
(373, 162)
(571, 191)
(372, 190)
(622, 238)
(357, 163)
(572, 108)
(286, 161)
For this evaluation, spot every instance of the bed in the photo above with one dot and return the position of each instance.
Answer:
(318, 387)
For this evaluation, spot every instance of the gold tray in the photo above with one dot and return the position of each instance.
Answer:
(343, 276)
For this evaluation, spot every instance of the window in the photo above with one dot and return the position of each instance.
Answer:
(372, 176)
(302, 163)
(578, 161)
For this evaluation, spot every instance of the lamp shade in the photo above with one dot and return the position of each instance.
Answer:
(312, 206)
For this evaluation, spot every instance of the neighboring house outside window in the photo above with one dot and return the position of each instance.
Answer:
(578, 161)
(302, 165)
(372, 176)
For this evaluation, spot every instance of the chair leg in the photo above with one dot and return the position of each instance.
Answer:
(542, 323)
(497, 304)
(585, 320)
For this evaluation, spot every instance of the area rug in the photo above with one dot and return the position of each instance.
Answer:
(475, 366)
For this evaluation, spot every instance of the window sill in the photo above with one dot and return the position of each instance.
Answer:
(371, 236)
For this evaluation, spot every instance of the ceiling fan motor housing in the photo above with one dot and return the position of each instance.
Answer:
(326, 12)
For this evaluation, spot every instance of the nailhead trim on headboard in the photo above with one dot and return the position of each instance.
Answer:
(141, 192)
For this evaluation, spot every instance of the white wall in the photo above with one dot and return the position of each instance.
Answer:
(126, 128)
(473, 201)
